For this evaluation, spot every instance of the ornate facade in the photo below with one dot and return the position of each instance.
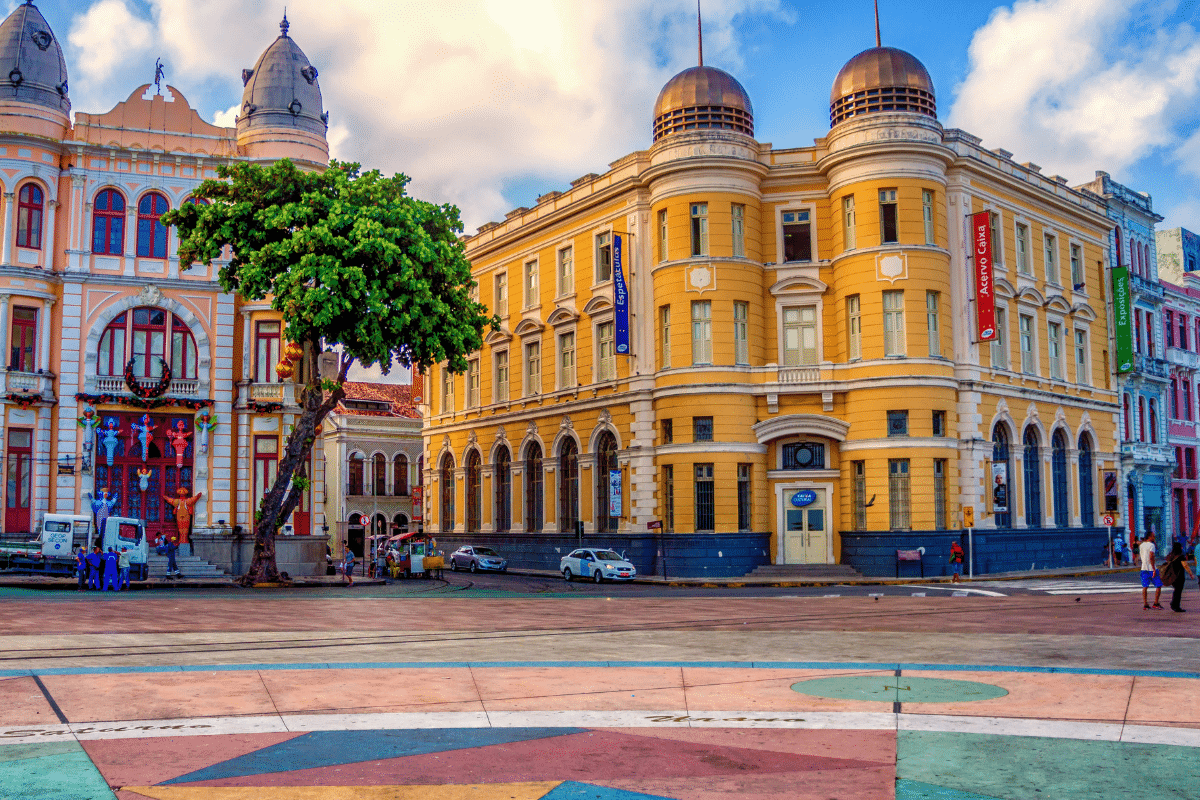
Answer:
(805, 380)
(129, 371)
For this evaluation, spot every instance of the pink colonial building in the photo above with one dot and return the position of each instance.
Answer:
(103, 324)
(1181, 333)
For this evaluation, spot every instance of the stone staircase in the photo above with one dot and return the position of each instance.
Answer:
(823, 572)
(190, 566)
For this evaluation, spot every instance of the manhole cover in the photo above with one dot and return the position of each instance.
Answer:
(891, 689)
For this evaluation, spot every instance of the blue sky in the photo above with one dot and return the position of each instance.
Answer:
(489, 103)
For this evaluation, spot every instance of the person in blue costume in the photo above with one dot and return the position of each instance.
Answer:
(112, 570)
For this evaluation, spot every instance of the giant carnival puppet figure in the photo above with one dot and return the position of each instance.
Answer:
(179, 441)
(110, 438)
(102, 507)
(144, 431)
(184, 506)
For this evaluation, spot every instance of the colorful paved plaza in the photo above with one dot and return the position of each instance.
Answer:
(274, 698)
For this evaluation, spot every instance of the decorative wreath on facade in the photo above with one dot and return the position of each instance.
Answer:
(146, 391)
(23, 400)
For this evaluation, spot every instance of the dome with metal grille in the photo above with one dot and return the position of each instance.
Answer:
(882, 79)
(703, 98)
(32, 67)
(282, 90)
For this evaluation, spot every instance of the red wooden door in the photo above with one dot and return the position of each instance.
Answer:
(18, 481)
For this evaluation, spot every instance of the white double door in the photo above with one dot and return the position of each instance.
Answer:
(804, 524)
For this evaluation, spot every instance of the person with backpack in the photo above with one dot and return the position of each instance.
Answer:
(1172, 573)
(956, 560)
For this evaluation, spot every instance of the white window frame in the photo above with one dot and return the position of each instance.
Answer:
(447, 391)
(531, 380)
(500, 293)
(1059, 372)
(998, 251)
(1030, 366)
(530, 291)
(849, 223)
(800, 326)
(741, 333)
(854, 325)
(600, 240)
(565, 282)
(1023, 245)
(928, 202)
(565, 374)
(501, 385)
(933, 303)
(814, 243)
(698, 229)
(737, 214)
(664, 334)
(1050, 257)
(471, 381)
(702, 340)
(888, 346)
(606, 350)
(1082, 335)
(1074, 247)
(664, 241)
(999, 350)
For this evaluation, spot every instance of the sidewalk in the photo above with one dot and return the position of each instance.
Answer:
(225, 582)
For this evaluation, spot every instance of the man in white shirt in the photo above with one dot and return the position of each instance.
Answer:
(1149, 573)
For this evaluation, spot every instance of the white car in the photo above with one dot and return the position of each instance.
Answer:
(599, 565)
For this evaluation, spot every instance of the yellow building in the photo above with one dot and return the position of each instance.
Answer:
(805, 382)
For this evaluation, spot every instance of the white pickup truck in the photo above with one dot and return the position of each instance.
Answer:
(63, 534)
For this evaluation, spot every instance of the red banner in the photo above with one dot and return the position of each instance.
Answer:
(985, 298)
(418, 509)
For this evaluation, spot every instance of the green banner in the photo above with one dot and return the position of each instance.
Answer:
(1123, 319)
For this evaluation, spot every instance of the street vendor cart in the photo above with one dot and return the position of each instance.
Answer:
(410, 554)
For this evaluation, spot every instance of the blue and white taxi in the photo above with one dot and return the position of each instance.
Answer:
(599, 565)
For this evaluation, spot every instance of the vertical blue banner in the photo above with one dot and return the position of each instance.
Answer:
(620, 298)
(614, 492)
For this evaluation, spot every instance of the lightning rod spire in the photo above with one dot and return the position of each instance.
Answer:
(699, 33)
(878, 38)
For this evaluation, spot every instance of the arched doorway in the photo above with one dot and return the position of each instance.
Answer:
(1058, 473)
(1033, 478)
(356, 534)
(502, 480)
(400, 524)
(606, 465)
(1087, 500)
(474, 504)
(534, 494)
(568, 486)
(1001, 476)
(446, 517)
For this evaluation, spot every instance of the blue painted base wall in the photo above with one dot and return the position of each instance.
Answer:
(874, 553)
(686, 555)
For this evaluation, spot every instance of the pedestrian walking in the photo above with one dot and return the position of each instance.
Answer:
(94, 561)
(956, 560)
(81, 567)
(1172, 572)
(380, 563)
(1149, 572)
(111, 570)
(123, 566)
(172, 548)
(348, 565)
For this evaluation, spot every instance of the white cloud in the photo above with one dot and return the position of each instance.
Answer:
(106, 35)
(1078, 85)
(228, 117)
(464, 97)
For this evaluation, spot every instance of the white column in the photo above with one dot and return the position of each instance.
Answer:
(48, 234)
(130, 239)
(43, 361)
(247, 344)
(4, 298)
(9, 211)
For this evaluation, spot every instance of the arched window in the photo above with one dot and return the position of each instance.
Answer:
(1141, 419)
(401, 523)
(1128, 419)
(606, 463)
(29, 217)
(568, 486)
(534, 494)
(379, 475)
(1033, 479)
(474, 501)
(502, 481)
(1058, 471)
(108, 223)
(400, 475)
(447, 481)
(380, 529)
(1120, 247)
(151, 234)
(143, 336)
(1001, 476)
(1087, 501)
(355, 484)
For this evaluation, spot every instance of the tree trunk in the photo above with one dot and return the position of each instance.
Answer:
(279, 502)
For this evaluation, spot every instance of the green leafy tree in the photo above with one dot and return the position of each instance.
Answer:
(356, 266)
